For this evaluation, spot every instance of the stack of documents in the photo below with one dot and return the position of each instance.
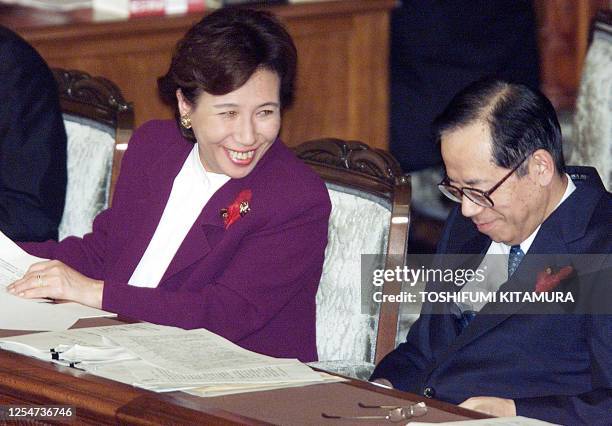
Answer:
(162, 359)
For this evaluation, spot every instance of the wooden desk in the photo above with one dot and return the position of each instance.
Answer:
(342, 87)
(27, 381)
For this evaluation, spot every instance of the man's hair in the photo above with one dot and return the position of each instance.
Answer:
(521, 120)
(222, 51)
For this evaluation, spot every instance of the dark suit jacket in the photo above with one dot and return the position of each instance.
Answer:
(253, 283)
(556, 366)
(32, 144)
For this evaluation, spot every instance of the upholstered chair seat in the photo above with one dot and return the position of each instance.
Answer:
(347, 335)
(360, 232)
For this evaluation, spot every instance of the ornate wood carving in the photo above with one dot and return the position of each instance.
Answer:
(100, 100)
(92, 97)
(353, 156)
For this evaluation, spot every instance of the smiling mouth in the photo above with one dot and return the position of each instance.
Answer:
(240, 157)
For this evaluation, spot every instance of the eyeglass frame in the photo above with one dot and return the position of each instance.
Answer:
(486, 194)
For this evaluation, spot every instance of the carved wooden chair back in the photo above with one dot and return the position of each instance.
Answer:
(368, 230)
(99, 123)
(592, 132)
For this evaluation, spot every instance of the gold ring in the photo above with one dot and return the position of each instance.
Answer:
(39, 281)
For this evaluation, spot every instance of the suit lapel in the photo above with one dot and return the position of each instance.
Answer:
(443, 331)
(150, 205)
(206, 230)
(547, 244)
(209, 228)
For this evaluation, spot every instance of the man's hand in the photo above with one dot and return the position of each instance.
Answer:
(55, 280)
(499, 407)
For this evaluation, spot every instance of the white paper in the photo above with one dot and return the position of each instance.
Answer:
(163, 358)
(220, 390)
(23, 314)
(91, 336)
(30, 314)
(145, 375)
(49, 340)
(14, 262)
(187, 351)
(82, 311)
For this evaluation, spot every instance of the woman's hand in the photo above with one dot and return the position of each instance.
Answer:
(55, 280)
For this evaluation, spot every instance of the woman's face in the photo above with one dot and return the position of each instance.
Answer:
(234, 131)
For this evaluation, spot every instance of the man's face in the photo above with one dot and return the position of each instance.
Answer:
(520, 203)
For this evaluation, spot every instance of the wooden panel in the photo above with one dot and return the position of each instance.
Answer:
(563, 34)
(369, 78)
(342, 87)
(321, 105)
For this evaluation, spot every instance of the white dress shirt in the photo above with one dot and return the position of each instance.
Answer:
(192, 188)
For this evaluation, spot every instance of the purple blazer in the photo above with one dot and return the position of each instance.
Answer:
(253, 283)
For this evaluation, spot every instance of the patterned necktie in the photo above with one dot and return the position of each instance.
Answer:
(514, 259)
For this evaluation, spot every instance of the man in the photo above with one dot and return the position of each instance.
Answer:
(32, 144)
(501, 146)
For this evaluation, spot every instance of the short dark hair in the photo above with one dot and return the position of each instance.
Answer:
(521, 120)
(222, 51)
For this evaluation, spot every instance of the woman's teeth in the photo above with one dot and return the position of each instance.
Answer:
(241, 156)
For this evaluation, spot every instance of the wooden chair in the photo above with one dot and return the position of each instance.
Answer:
(99, 123)
(370, 216)
(592, 132)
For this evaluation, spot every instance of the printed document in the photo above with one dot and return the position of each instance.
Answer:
(161, 359)
(14, 262)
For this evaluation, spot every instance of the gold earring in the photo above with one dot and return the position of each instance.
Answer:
(186, 121)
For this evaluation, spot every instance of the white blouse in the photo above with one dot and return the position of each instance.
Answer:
(191, 190)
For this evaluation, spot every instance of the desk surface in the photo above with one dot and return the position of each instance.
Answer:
(29, 381)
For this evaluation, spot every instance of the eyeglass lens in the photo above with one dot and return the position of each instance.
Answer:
(456, 195)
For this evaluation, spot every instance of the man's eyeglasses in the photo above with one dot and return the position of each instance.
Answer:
(477, 196)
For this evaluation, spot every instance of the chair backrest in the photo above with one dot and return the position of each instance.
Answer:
(370, 216)
(99, 123)
(592, 131)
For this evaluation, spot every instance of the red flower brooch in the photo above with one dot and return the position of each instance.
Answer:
(237, 209)
(547, 280)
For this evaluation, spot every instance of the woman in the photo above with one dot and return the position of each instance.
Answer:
(228, 233)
